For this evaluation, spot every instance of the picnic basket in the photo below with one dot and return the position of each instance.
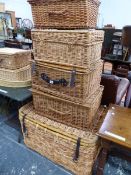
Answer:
(65, 14)
(72, 148)
(68, 47)
(67, 82)
(64, 111)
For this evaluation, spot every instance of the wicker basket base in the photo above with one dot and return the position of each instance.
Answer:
(59, 142)
(15, 84)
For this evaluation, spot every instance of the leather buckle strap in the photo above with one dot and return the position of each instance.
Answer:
(77, 150)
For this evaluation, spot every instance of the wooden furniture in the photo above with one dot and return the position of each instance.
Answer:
(115, 62)
(128, 98)
(115, 132)
(115, 89)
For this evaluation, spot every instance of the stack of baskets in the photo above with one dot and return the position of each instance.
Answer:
(15, 69)
(65, 83)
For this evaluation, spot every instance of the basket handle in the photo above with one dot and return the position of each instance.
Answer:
(24, 127)
(77, 150)
(59, 112)
(57, 14)
(61, 82)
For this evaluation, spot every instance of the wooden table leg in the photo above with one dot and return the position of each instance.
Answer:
(102, 161)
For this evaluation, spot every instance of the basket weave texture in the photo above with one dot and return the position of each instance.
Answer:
(70, 113)
(69, 47)
(58, 142)
(11, 58)
(15, 84)
(64, 14)
(22, 74)
(81, 83)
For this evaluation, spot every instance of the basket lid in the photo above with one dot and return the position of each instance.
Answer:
(46, 1)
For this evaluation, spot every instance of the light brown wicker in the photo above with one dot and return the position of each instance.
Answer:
(15, 84)
(67, 112)
(58, 142)
(67, 82)
(11, 58)
(65, 14)
(74, 47)
(22, 74)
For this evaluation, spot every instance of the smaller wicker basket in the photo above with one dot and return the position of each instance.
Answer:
(67, 112)
(72, 148)
(22, 74)
(11, 58)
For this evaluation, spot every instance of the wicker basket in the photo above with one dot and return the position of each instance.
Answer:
(59, 142)
(67, 112)
(69, 47)
(22, 74)
(65, 14)
(11, 58)
(65, 82)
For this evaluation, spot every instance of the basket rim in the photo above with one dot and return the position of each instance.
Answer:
(16, 70)
(81, 31)
(86, 105)
(66, 66)
(41, 1)
(15, 84)
(12, 51)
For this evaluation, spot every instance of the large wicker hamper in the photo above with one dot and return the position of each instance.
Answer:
(70, 113)
(65, 14)
(68, 47)
(67, 82)
(11, 58)
(72, 148)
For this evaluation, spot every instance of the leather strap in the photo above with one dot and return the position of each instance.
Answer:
(77, 151)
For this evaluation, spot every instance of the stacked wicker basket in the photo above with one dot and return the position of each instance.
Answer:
(15, 69)
(65, 83)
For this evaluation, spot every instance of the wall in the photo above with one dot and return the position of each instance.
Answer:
(116, 12)
(21, 7)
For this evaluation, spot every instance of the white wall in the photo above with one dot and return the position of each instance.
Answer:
(21, 7)
(116, 12)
